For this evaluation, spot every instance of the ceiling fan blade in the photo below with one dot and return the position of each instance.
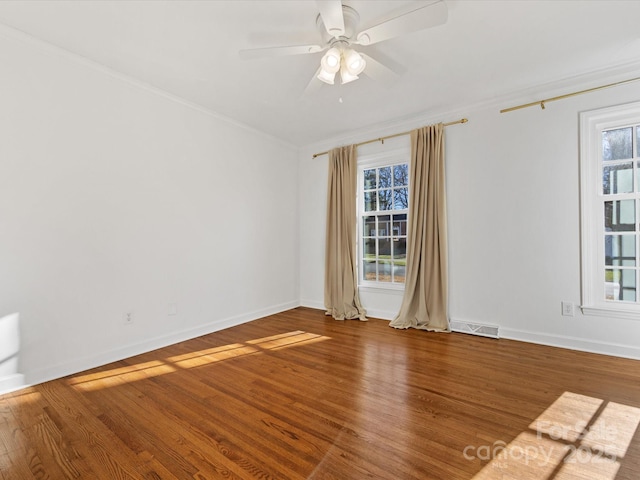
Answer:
(430, 15)
(331, 13)
(269, 52)
(378, 71)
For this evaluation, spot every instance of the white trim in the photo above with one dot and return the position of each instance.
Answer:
(312, 304)
(581, 81)
(11, 383)
(592, 124)
(382, 159)
(395, 289)
(81, 364)
(371, 313)
(381, 314)
(572, 343)
(611, 310)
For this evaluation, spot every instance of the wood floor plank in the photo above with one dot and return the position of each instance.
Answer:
(298, 395)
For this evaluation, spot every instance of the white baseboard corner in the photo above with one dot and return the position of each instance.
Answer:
(312, 304)
(10, 383)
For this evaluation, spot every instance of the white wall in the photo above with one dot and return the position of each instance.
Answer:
(115, 198)
(513, 205)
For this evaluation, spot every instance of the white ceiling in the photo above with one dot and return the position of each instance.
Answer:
(190, 49)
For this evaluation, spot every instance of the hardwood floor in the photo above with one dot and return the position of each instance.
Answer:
(298, 395)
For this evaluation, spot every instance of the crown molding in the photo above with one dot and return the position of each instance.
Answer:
(580, 81)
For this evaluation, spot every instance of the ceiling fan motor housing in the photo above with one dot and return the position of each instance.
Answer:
(351, 19)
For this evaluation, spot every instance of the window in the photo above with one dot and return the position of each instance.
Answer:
(383, 207)
(610, 203)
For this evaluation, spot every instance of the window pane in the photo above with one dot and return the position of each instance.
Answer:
(384, 197)
(384, 270)
(385, 177)
(399, 273)
(628, 285)
(620, 216)
(616, 144)
(369, 270)
(612, 284)
(384, 225)
(399, 259)
(399, 251)
(369, 249)
(620, 250)
(617, 179)
(400, 224)
(620, 285)
(370, 179)
(369, 227)
(384, 249)
(401, 175)
(370, 201)
(400, 198)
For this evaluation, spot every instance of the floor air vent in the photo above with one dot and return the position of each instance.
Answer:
(474, 328)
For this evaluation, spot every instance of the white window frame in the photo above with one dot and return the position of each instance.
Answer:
(366, 162)
(592, 124)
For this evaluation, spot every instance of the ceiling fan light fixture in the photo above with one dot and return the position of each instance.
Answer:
(326, 77)
(353, 62)
(346, 76)
(331, 60)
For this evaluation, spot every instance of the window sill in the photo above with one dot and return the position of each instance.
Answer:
(386, 289)
(622, 311)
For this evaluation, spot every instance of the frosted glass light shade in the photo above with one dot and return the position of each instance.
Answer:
(326, 77)
(331, 60)
(353, 62)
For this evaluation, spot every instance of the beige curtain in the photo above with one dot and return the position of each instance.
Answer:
(341, 298)
(424, 304)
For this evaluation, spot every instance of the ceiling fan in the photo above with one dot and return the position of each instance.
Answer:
(337, 24)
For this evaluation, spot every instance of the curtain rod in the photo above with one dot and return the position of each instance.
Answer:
(382, 139)
(560, 97)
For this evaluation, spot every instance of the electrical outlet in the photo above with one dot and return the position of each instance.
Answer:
(127, 317)
(172, 309)
(567, 309)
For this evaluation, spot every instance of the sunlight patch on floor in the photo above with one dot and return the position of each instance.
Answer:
(293, 339)
(212, 355)
(577, 437)
(199, 358)
(120, 375)
(28, 395)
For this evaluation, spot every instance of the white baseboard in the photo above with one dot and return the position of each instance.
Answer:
(380, 314)
(572, 343)
(373, 313)
(81, 364)
(10, 383)
(312, 304)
